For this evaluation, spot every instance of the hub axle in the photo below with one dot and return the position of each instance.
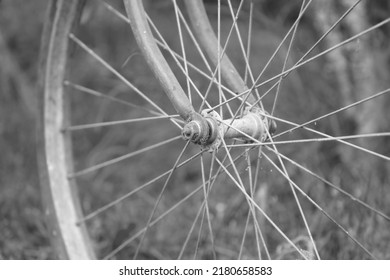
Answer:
(208, 129)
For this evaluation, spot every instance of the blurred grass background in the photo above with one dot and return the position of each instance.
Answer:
(23, 233)
(22, 230)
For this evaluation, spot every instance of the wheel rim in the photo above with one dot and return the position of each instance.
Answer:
(232, 223)
(60, 194)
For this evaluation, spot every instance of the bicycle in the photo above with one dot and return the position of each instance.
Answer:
(231, 189)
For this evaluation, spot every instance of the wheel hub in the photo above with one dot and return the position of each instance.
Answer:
(208, 129)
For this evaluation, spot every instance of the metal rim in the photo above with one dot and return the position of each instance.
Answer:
(62, 206)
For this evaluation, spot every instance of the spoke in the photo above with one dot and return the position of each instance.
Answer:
(211, 78)
(219, 55)
(115, 11)
(115, 73)
(176, 60)
(318, 41)
(183, 50)
(187, 239)
(235, 176)
(258, 234)
(121, 158)
(134, 191)
(249, 39)
(256, 187)
(286, 60)
(244, 237)
(110, 123)
(196, 43)
(240, 40)
(336, 111)
(244, 100)
(320, 208)
(260, 209)
(175, 56)
(298, 65)
(235, 97)
(306, 54)
(111, 98)
(333, 186)
(210, 183)
(154, 222)
(159, 199)
(331, 137)
(312, 200)
(351, 145)
(285, 174)
(252, 192)
(165, 46)
(238, 176)
(200, 231)
(314, 131)
(311, 140)
(249, 95)
(211, 44)
(329, 30)
(279, 47)
(250, 201)
(208, 218)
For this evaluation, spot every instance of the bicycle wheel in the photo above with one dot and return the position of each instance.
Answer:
(120, 182)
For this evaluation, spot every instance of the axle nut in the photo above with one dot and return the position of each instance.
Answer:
(192, 131)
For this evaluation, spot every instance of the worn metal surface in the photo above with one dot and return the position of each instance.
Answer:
(156, 60)
(62, 207)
